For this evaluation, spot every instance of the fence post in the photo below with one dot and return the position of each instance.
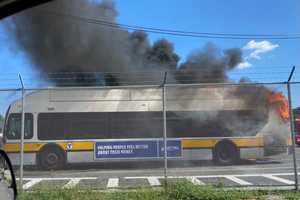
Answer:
(292, 128)
(22, 134)
(165, 127)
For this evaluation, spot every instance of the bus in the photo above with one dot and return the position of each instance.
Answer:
(87, 125)
(297, 130)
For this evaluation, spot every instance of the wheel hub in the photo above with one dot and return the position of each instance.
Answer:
(52, 158)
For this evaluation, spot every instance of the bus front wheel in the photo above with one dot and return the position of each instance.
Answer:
(226, 153)
(51, 158)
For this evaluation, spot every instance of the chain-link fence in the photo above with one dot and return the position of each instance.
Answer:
(234, 135)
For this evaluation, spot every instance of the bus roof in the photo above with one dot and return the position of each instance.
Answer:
(130, 100)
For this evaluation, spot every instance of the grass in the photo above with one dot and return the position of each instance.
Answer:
(174, 191)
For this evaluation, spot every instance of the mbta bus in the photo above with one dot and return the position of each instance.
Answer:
(297, 130)
(87, 125)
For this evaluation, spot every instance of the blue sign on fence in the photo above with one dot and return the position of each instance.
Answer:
(136, 149)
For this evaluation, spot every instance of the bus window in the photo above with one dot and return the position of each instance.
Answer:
(51, 126)
(87, 126)
(60, 126)
(13, 129)
(187, 123)
(136, 125)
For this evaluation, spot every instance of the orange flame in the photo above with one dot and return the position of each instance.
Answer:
(281, 104)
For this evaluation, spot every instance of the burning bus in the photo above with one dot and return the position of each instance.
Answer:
(86, 125)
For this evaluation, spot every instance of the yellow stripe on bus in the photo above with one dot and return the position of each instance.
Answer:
(78, 146)
(34, 147)
(210, 143)
(196, 143)
(289, 141)
(15, 147)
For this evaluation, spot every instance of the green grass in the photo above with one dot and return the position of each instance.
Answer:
(174, 191)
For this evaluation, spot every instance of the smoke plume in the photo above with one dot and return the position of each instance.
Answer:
(208, 65)
(56, 41)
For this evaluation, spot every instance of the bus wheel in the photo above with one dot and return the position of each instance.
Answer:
(225, 153)
(51, 158)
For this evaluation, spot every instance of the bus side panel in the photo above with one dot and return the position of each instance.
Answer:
(29, 158)
(252, 153)
(80, 156)
(249, 148)
(197, 154)
(192, 149)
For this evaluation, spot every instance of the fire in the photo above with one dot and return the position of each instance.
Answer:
(279, 101)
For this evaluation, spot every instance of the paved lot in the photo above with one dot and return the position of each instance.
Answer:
(276, 171)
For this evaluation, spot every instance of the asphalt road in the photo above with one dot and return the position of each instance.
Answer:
(275, 171)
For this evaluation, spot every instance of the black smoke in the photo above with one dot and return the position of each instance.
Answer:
(209, 65)
(56, 40)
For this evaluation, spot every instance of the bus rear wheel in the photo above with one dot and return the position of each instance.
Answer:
(51, 158)
(226, 153)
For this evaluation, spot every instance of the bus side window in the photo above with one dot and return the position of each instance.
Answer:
(90, 125)
(136, 125)
(69, 126)
(13, 130)
(51, 126)
(297, 127)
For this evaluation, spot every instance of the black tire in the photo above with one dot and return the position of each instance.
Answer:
(52, 158)
(226, 153)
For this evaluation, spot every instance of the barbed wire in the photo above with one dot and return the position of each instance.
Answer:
(242, 71)
(140, 77)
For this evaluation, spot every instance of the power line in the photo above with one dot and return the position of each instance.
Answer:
(232, 36)
(258, 70)
(142, 74)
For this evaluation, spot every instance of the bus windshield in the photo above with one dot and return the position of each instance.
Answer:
(13, 129)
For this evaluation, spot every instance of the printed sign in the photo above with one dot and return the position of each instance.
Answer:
(136, 149)
(126, 149)
(173, 148)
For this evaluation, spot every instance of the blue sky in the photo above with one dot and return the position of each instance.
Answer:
(231, 16)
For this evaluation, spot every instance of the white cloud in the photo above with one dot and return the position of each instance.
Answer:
(244, 65)
(259, 48)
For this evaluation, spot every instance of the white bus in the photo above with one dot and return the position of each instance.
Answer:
(84, 125)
